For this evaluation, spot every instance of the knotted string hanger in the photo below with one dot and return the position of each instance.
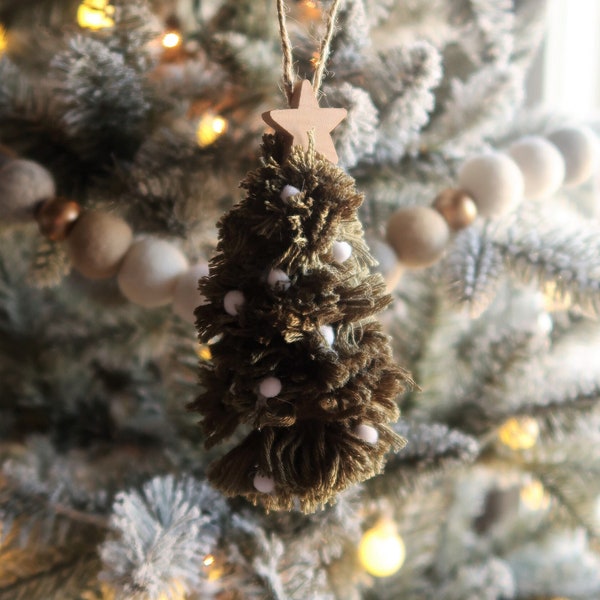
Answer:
(286, 45)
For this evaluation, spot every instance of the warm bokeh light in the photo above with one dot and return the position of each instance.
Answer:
(95, 14)
(519, 433)
(310, 10)
(210, 129)
(209, 559)
(534, 496)
(381, 550)
(205, 354)
(171, 39)
(2, 40)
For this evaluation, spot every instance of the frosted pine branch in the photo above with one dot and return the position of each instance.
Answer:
(161, 536)
(473, 268)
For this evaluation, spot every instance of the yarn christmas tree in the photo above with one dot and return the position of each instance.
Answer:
(299, 356)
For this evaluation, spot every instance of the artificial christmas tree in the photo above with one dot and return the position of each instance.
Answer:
(125, 128)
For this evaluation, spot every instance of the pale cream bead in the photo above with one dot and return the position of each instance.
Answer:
(367, 433)
(541, 165)
(494, 181)
(97, 244)
(263, 483)
(149, 272)
(186, 296)
(387, 259)
(270, 387)
(278, 279)
(288, 191)
(341, 251)
(23, 185)
(418, 234)
(233, 301)
(580, 150)
(328, 334)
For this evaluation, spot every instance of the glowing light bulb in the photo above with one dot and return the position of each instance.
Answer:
(209, 560)
(171, 39)
(381, 550)
(534, 496)
(204, 352)
(3, 42)
(310, 9)
(95, 14)
(210, 129)
(519, 433)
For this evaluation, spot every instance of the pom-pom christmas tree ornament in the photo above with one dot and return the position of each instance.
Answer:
(304, 437)
(580, 150)
(24, 184)
(541, 165)
(418, 234)
(494, 182)
(457, 207)
(56, 217)
(97, 244)
(186, 296)
(150, 271)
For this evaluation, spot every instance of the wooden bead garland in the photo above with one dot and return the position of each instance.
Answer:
(187, 296)
(56, 218)
(490, 185)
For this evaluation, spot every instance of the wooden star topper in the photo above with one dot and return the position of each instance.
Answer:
(305, 116)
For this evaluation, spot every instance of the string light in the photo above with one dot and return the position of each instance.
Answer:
(209, 559)
(519, 433)
(204, 354)
(171, 39)
(310, 9)
(95, 14)
(381, 551)
(210, 129)
(534, 496)
(3, 42)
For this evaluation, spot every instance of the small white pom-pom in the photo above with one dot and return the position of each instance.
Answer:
(580, 150)
(23, 184)
(288, 191)
(187, 297)
(367, 433)
(342, 251)
(494, 181)
(263, 483)
(541, 164)
(270, 387)
(149, 272)
(233, 301)
(328, 334)
(278, 279)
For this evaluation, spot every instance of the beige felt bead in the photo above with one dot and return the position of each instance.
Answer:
(149, 272)
(541, 164)
(23, 185)
(418, 234)
(187, 296)
(494, 181)
(387, 260)
(580, 150)
(97, 244)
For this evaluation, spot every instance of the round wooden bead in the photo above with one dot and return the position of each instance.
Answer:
(341, 251)
(97, 244)
(233, 301)
(367, 433)
(541, 164)
(387, 260)
(263, 483)
(580, 150)
(149, 272)
(270, 387)
(457, 207)
(23, 185)
(56, 217)
(288, 191)
(418, 235)
(328, 334)
(186, 296)
(494, 181)
(278, 279)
